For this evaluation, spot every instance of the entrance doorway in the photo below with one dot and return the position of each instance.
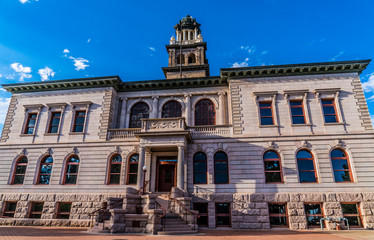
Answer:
(166, 173)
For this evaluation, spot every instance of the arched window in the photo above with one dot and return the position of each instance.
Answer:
(192, 58)
(172, 109)
(20, 171)
(340, 165)
(138, 111)
(305, 164)
(132, 169)
(71, 170)
(200, 168)
(115, 169)
(221, 168)
(205, 113)
(273, 168)
(45, 170)
(180, 59)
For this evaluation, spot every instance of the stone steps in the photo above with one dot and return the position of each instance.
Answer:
(100, 228)
(190, 232)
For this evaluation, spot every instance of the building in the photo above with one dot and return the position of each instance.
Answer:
(253, 148)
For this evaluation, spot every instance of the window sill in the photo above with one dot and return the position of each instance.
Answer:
(77, 133)
(51, 134)
(268, 126)
(27, 135)
(337, 123)
(301, 125)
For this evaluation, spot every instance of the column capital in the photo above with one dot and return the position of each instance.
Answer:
(155, 97)
(188, 95)
(221, 93)
(124, 98)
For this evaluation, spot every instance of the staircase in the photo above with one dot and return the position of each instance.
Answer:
(102, 227)
(172, 223)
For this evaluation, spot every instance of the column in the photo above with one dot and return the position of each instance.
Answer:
(180, 168)
(187, 110)
(177, 33)
(221, 102)
(122, 121)
(184, 35)
(195, 33)
(154, 107)
(140, 167)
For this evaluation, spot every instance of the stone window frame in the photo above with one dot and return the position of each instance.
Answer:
(279, 214)
(348, 158)
(65, 167)
(111, 156)
(280, 166)
(207, 169)
(214, 167)
(31, 109)
(59, 213)
(223, 215)
(328, 94)
(54, 108)
(298, 95)
(6, 211)
(14, 169)
(270, 96)
(161, 110)
(128, 168)
(79, 107)
(322, 215)
(195, 98)
(32, 212)
(314, 164)
(39, 167)
(359, 214)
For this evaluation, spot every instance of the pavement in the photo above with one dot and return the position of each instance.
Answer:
(43, 233)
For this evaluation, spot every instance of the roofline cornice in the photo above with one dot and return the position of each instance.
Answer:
(297, 69)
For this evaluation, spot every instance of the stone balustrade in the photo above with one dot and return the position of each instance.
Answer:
(122, 133)
(163, 124)
(211, 130)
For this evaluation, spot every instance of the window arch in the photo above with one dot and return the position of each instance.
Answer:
(172, 109)
(138, 111)
(45, 170)
(71, 170)
(306, 167)
(200, 168)
(115, 169)
(205, 113)
(340, 165)
(20, 170)
(180, 59)
(132, 169)
(221, 168)
(273, 167)
(192, 58)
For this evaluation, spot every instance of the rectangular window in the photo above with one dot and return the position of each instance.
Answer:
(79, 120)
(329, 111)
(36, 209)
(314, 214)
(63, 210)
(266, 113)
(223, 218)
(9, 209)
(278, 215)
(297, 112)
(351, 211)
(202, 221)
(30, 123)
(54, 123)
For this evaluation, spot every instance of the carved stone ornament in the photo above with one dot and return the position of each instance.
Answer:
(48, 151)
(75, 150)
(23, 151)
(199, 147)
(164, 124)
(220, 146)
(273, 145)
(340, 143)
(117, 149)
(305, 144)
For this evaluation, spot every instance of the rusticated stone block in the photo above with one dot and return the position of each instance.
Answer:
(264, 212)
(312, 197)
(331, 197)
(11, 197)
(303, 225)
(80, 223)
(237, 218)
(349, 197)
(294, 226)
(369, 219)
(65, 197)
(277, 197)
(369, 197)
(295, 197)
(262, 205)
(295, 205)
(297, 219)
(257, 197)
(249, 219)
(262, 219)
(265, 225)
(60, 223)
(24, 197)
(367, 212)
(332, 205)
(41, 197)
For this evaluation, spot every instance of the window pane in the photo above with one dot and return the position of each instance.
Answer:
(33, 115)
(327, 101)
(63, 216)
(18, 179)
(330, 119)
(81, 114)
(221, 178)
(202, 221)
(72, 169)
(132, 178)
(200, 167)
(267, 121)
(115, 168)
(55, 121)
(78, 128)
(38, 207)
(272, 165)
(172, 109)
(271, 154)
(220, 166)
(200, 178)
(329, 110)
(277, 208)
(65, 207)
(117, 158)
(134, 158)
(201, 207)
(297, 111)
(44, 179)
(304, 154)
(79, 121)
(74, 159)
(23, 160)
(200, 156)
(266, 112)
(354, 221)
(280, 221)
(337, 153)
(11, 206)
(313, 220)
(48, 160)
(340, 164)
(313, 209)
(138, 111)
(307, 177)
(32, 122)
(30, 131)
(223, 208)
(298, 120)
(70, 179)
(220, 156)
(133, 168)
(305, 165)
(273, 177)
(262, 104)
(223, 221)
(296, 103)
(35, 216)
(349, 209)
(342, 176)
(20, 169)
(205, 113)
(46, 169)
(114, 179)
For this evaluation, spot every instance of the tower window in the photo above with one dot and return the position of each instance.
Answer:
(180, 59)
(192, 58)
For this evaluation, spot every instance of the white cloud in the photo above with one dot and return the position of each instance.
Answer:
(337, 55)
(23, 72)
(89, 40)
(152, 49)
(369, 85)
(2, 89)
(1, 75)
(242, 64)
(4, 103)
(66, 50)
(23, 1)
(79, 63)
(372, 119)
(46, 73)
(248, 48)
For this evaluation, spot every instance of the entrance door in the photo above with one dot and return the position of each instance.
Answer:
(166, 177)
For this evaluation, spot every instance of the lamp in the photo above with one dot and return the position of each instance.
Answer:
(144, 171)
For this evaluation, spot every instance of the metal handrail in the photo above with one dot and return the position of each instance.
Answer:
(140, 191)
(106, 208)
(163, 214)
(196, 215)
(339, 219)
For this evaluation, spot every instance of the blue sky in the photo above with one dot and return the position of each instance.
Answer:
(55, 39)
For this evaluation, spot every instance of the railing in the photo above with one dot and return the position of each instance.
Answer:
(211, 130)
(100, 213)
(140, 191)
(122, 133)
(185, 212)
(163, 124)
(163, 214)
